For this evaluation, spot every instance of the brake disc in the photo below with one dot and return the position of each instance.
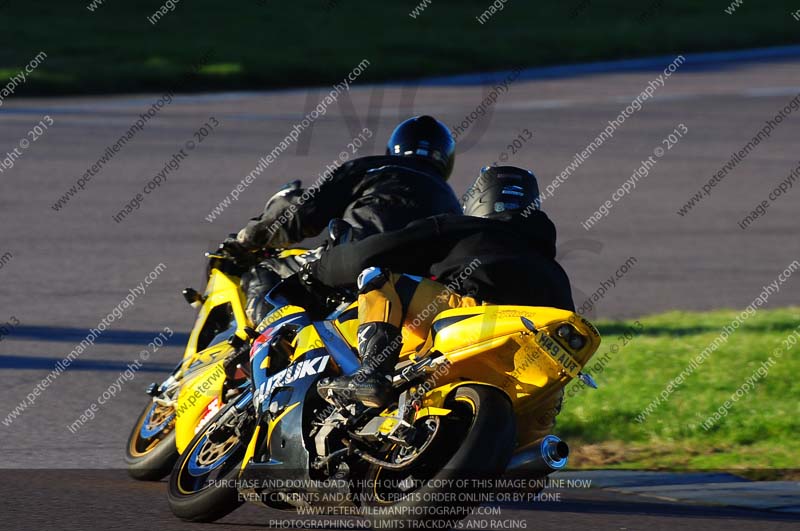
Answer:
(210, 452)
(159, 415)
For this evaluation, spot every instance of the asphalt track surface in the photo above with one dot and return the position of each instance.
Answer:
(74, 502)
(68, 269)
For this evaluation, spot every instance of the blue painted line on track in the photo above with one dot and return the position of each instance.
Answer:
(43, 363)
(76, 335)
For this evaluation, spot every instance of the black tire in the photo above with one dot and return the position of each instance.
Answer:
(189, 496)
(479, 447)
(150, 459)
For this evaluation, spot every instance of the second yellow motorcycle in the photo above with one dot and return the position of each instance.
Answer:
(199, 385)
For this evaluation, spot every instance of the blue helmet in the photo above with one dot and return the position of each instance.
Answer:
(427, 137)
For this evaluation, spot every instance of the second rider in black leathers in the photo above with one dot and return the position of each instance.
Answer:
(504, 243)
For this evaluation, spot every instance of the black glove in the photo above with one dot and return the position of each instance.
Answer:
(274, 228)
(312, 284)
(238, 252)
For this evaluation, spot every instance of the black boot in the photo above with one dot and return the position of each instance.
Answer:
(379, 345)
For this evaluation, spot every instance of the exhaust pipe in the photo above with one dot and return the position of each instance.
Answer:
(545, 456)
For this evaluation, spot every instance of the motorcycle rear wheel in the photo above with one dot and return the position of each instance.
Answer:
(475, 441)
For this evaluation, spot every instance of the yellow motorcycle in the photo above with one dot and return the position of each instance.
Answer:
(201, 383)
(464, 415)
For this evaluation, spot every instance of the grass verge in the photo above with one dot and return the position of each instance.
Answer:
(258, 44)
(756, 431)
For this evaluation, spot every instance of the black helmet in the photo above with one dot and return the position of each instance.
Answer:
(425, 136)
(501, 189)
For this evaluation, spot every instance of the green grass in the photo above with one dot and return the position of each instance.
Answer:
(760, 430)
(260, 44)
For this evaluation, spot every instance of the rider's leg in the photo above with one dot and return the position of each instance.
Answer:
(380, 314)
(256, 283)
(394, 311)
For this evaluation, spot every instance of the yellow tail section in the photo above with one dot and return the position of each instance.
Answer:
(490, 345)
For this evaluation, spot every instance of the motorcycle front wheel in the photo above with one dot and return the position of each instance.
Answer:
(151, 452)
(202, 485)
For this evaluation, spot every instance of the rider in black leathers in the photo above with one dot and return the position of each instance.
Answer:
(372, 194)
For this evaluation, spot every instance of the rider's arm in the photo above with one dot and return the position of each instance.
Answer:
(410, 250)
(296, 213)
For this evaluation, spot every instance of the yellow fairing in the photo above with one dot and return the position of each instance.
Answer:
(286, 253)
(489, 345)
(200, 388)
(251, 449)
(307, 339)
(347, 324)
(280, 313)
(202, 373)
(221, 289)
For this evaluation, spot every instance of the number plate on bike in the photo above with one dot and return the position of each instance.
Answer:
(559, 355)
